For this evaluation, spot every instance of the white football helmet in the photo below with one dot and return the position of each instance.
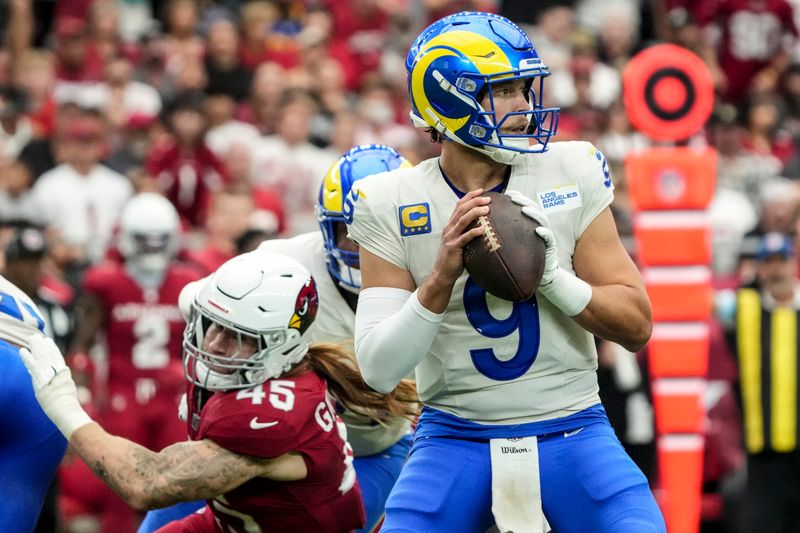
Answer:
(149, 232)
(266, 297)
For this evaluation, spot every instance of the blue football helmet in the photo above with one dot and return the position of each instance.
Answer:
(453, 65)
(358, 163)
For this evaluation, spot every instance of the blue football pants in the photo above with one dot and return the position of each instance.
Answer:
(588, 484)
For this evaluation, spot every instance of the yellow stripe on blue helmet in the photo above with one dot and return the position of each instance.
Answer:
(453, 64)
(336, 196)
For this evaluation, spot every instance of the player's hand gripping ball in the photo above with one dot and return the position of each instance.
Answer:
(508, 259)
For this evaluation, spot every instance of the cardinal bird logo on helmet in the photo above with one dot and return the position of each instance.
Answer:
(305, 307)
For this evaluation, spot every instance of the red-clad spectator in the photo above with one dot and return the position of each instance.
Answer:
(104, 33)
(358, 35)
(764, 136)
(354, 20)
(185, 169)
(34, 73)
(78, 9)
(749, 43)
(77, 58)
(228, 218)
(258, 17)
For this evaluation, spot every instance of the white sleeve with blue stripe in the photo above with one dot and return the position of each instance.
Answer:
(19, 316)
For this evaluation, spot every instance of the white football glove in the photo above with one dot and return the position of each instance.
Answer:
(531, 210)
(53, 385)
(564, 290)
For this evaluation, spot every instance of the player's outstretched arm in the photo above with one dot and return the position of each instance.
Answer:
(145, 479)
(186, 471)
(619, 309)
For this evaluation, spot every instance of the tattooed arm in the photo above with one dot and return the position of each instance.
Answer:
(182, 472)
(191, 470)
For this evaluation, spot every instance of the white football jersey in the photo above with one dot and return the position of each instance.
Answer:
(19, 316)
(493, 361)
(335, 323)
(335, 320)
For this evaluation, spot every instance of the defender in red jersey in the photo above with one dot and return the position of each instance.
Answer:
(134, 304)
(268, 451)
(290, 415)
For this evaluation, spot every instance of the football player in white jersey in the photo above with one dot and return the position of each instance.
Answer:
(512, 431)
(380, 449)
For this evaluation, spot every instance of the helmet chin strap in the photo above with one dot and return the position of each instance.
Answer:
(505, 156)
(276, 367)
(500, 155)
(216, 381)
(355, 277)
(348, 288)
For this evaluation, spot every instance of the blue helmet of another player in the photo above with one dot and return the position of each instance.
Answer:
(455, 63)
(332, 213)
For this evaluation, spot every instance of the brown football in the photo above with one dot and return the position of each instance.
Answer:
(508, 259)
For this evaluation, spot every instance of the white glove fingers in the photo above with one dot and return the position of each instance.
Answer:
(30, 364)
(518, 198)
(46, 351)
(536, 214)
(546, 234)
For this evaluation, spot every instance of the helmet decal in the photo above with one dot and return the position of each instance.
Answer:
(306, 306)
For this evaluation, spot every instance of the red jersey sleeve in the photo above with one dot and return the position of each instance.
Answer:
(98, 280)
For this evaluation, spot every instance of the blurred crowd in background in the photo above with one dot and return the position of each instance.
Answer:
(233, 110)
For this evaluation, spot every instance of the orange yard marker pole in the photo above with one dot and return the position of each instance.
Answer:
(669, 96)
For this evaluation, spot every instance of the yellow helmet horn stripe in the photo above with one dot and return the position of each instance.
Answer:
(332, 193)
(485, 55)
